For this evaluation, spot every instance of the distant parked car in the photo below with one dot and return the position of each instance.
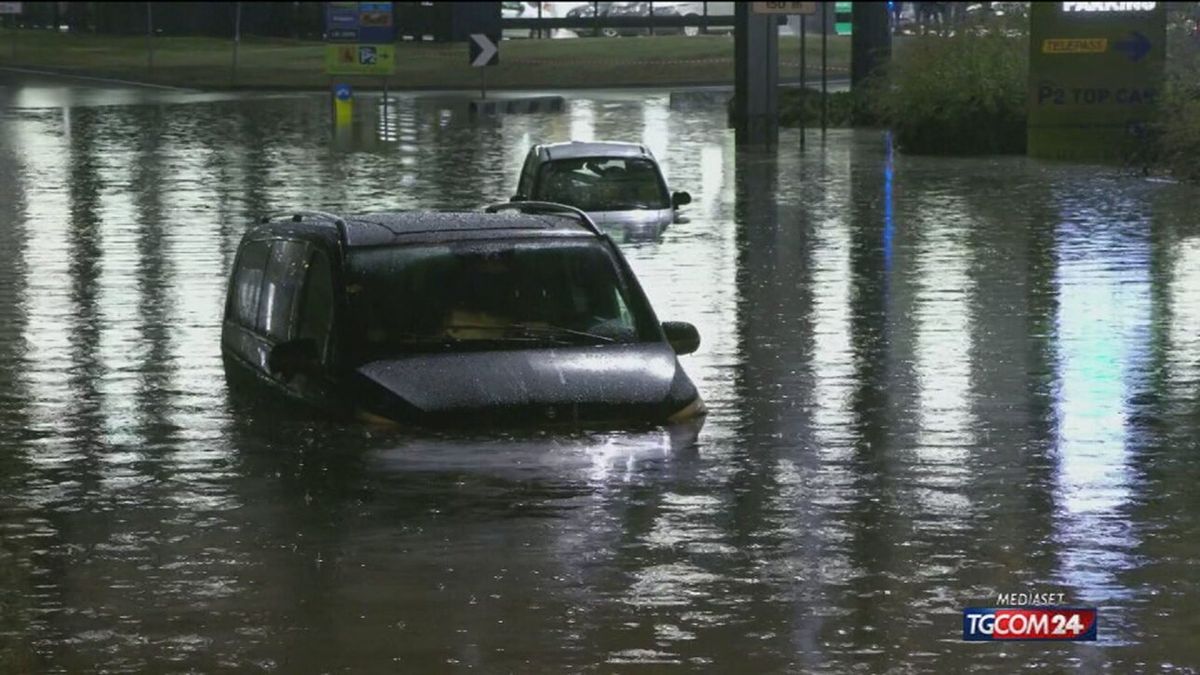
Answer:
(619, 185)
(518, 10)
(562, 10)
(639, 9)
(526, 313)
(697, 9)
(589, 11)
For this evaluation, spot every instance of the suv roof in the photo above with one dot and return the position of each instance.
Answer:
(574, 149)
(531, 219)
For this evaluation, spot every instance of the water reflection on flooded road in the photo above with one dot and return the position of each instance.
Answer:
(930, 381)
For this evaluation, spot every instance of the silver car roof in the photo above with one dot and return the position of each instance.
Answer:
(575, 149)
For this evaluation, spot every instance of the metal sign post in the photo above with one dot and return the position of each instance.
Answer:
(803, 9)
(237, 39)
(483, 51)
(150, 37)
(360, 39)
(803, 74)
(824, 63)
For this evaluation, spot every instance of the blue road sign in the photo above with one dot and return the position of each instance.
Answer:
(1136, 47)
(342, 92)
(366, 22)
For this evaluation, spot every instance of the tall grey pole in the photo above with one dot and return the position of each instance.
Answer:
(803, 75)
(824, 63)
(150, 37)
(237, 38)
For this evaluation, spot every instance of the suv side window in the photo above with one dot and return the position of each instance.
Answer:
(316, 304)
(284, 274)
(247, 282)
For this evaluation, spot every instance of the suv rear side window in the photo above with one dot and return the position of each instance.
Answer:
(281, 283)
(247, 282)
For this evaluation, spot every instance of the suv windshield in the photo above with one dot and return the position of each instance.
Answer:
(602, 184)
(480, 295)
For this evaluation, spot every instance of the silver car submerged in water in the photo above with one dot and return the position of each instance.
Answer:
(619, 185)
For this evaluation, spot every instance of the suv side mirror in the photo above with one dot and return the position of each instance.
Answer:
(683, 336)
(517, 198)
(291, 358)
(680, 199)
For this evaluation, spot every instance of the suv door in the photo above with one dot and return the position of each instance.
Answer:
(315, 319)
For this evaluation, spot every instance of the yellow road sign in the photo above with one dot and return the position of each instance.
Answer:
(360, 59)
(1074, 45)
(784, 7)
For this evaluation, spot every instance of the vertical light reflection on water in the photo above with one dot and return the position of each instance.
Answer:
(388, 126)
(17, 521)
(614, 121)
(1103, 288)
(708, 308)
(47, 303)
(656, 129)
(814, 480)
(889, 206)
(832, 354)
(194, 302)
(121, 348)
(583, 121)
(943, 326)
(1183, 355)
(13, 276)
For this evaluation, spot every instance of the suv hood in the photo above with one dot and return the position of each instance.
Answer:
(641, 380)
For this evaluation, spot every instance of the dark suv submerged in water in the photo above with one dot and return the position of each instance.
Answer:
(524, 313)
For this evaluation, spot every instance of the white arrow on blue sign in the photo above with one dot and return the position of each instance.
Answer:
(1136, 47)
(484, 51)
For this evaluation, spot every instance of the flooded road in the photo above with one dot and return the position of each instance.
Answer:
(930, 381)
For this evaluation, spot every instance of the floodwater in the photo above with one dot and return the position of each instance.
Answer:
(930, 381)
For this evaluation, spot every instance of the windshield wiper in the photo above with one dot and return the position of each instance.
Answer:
(532, 330)
(550, 328)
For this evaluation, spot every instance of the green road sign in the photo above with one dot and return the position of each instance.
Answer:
(841, 17)
(1095, 76)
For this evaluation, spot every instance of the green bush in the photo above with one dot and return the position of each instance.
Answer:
(845, 109)
(957, 95)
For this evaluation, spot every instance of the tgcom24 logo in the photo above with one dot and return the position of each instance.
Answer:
(1029, 623)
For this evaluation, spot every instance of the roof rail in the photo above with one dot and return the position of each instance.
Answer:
(546, 207)
(298, 216)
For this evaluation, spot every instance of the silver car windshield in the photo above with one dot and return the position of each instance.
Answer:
(602, 184)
